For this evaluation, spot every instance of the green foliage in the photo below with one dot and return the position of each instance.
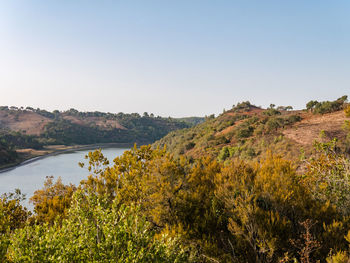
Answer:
(10, 142)
(244, 131)
(18, 140)
(141, 130)
(328, 177)
(224, 154)
(190, 146)
(272, 111)
(12, 216)
(243, 106)
(7, 154)
(326, 106)
(66, 132)
(94, 232)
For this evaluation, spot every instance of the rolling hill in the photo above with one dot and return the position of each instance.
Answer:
(23, 128)
(247, 131)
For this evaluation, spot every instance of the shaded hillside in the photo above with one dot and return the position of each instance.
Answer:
(247, 131)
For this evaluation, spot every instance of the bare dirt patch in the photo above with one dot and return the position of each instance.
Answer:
(310, 128)
(24, 121)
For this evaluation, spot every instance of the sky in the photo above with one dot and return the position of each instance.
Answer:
(172, 58)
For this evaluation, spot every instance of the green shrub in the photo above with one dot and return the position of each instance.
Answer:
(326, 106)
(224, 154)
(242, 106)
(95, 232)
(190, 146)
(272, 112)
(244, 132)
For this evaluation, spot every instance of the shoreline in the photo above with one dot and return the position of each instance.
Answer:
(64, 149)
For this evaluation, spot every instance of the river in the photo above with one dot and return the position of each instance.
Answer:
(31, 176)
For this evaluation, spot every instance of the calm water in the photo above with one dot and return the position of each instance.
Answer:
(31, 176)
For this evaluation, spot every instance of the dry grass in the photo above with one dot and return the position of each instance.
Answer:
(28, 122)
(310, 128)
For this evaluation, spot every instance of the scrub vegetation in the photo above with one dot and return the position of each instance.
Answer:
(224, 204)
(247, 131)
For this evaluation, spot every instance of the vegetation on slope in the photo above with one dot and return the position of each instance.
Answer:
(247, 131)
(153, 207)
(326, 106)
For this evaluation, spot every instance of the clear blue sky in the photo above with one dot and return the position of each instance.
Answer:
(176, 58)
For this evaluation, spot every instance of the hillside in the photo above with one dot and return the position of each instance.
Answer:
(201, 209)
(247, 131)
(36, 128)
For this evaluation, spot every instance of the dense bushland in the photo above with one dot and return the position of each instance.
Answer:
(150, 206)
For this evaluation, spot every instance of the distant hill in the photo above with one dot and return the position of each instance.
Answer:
(248, 131)
(35, 128)
(74, 127)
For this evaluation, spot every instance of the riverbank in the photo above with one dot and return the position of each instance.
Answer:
(30, 155)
